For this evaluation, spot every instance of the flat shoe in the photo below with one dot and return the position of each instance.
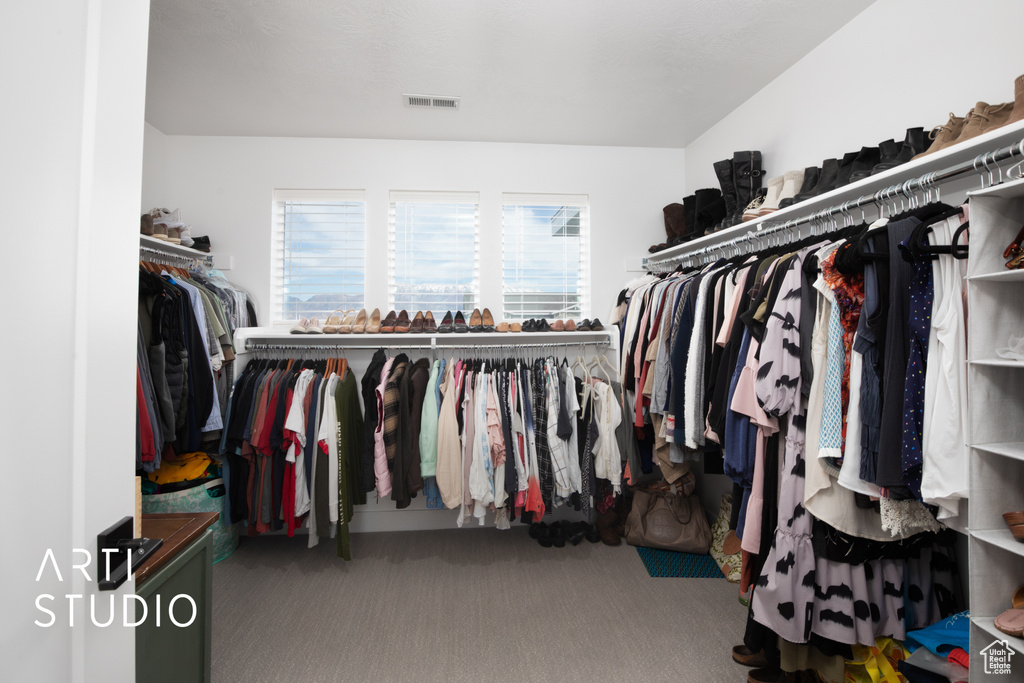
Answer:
(300, 326)
(595, 325)
(570, 325)
(741, 654)
(387, 326)
(447, 325)
(487, 320)
(584, 325)
(515, 327)
(429, 326)
(476, 323)
(403, 324)
(459, 323)
(314, 327)
(558, 326)
(502, 327)
(1011, 622)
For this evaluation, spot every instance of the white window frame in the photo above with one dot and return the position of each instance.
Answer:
(278, 250)
(510, 243)
(433, 197)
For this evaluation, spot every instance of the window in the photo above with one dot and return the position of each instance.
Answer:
(319, 261)
(433, 262)
(545, 246)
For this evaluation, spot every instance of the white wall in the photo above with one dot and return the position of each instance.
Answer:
(224, 187)
(899, 64)
(71, 181)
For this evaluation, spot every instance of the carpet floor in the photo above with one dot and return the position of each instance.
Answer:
(465, 605)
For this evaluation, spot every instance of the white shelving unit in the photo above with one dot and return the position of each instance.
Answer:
(153, 245)
(996, 413)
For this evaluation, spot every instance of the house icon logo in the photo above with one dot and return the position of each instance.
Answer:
(997, 656)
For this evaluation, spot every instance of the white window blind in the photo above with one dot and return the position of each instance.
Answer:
(546, 251)
(319, 261)
(433, 252)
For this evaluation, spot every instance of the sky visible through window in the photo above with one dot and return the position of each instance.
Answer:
(542, 261)
(323, 265)
(435, 257)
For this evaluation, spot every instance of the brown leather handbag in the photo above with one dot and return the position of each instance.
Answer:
(666, 520)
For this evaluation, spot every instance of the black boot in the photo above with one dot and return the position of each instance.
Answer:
(811, 174)
(710, 210)
(826, 180)
(890, 153)
(865, 161)
(915, 142)
(690, 217)
(845, 169)
(675, 224)
(746, 169)
(727, 180)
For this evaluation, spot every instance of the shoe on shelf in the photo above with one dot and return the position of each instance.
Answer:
(792, 181)
(595, 325)
(459, 323)
(826, 181)
(943, 136)
(557, 326)
(476, 321)
(865, 161)
(810, 179)
(487, 320)
(417, 323)
(359, 324)
(570, 325)
(402, 323)
(741, 654)
(845, 169)
(529, 325)
(727, 181)
(348, 323)
(334, 320)
(146, 225)
(159, 231)
(501, 327)
(201, 244)
(300, 326)
(754, 207)
(515, 327)
(373, 324)
(314, 327)
(429, 326)
(584, 325)
(387, 326)
(1018, 101)
(542, 325)
(889, 156)
(446, 325)
(984, 118)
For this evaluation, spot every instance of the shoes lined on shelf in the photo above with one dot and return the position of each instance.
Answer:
(349, 321)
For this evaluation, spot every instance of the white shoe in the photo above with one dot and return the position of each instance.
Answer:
(314, 327)
(301, 326)
(772, 196)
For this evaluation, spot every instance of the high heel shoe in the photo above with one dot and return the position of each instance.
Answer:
(359, 326)
(459, 323)
(346, 326)
(487, 320)
(476, 321)
(447, 325)
(429, 326)
(334, 320)
(373, 324)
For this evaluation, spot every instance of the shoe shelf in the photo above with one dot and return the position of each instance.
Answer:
(282, 338)
(995, 405)
(172, 249)
(1001, 137)
(1014, 449)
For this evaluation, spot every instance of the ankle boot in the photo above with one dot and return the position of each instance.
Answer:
(865, 161)
(751, 212)
(791, 183)
(983, 118)
(727, 181)
(811, 174)
(1018, 101)
(675, 224)
(772, 196)
(826, 180)
(746, 169)
(889, 156)
(943, 136)
(914, 143)
(707, 209)
(845, 169)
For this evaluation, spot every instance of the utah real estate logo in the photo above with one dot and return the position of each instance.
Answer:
(997, 657)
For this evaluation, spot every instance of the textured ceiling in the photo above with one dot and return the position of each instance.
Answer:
(640, 73)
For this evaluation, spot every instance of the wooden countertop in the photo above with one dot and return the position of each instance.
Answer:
(178, 529)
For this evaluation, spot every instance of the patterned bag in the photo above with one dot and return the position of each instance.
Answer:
(207, 497)
(730, 565)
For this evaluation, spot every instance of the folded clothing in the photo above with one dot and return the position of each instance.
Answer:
(185, 467)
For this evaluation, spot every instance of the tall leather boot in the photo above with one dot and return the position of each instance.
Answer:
(710, 210)
(746, 169)
(690, 216)
(727, 181)
(675, 224)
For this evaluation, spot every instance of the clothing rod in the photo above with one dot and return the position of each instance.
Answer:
(169, 256)
(330, 347)
(983, 164)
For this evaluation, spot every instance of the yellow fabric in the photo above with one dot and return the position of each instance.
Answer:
(185, 467)
(876, 664)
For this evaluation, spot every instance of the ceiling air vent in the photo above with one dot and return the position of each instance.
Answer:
(432, 101)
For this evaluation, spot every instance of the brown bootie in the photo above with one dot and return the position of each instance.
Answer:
(984, 118)
(943, 136)
(1018, 101)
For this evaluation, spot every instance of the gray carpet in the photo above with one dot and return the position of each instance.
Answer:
(465, 605)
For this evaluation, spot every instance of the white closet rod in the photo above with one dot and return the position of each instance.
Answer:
(983, 164)
(481, 347)
(158, 256)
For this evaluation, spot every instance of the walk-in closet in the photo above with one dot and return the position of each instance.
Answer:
(403, 341)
